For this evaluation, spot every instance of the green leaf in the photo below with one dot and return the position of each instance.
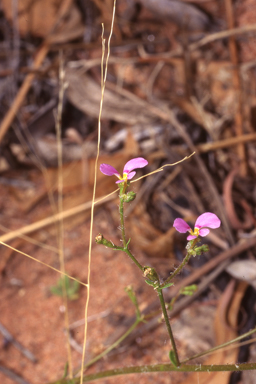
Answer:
(71, 287)
(152, 283)
(166, 285)
(65, 371)
(173, 358)
(189, 290)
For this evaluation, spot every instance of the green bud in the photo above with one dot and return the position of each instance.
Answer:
(100, 239)
(201, 249)
(128, 197)
(129, 290)
(151, 277)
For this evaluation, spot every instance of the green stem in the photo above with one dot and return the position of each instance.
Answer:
(221, 346)
(100, 239)
(116, 343)
(128, 252)
(168, 325)
(161, 368)
(125, 244)
(184, 262)
(121, 212)
(178, 270)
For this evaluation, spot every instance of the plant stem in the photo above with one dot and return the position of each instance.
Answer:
(168, 326)
(100, 239)
(221, 346)
(184, 262)
(121, 212)
(178, 270)
(125, 245)
(128, 252)
(116, 343)
(162, 368)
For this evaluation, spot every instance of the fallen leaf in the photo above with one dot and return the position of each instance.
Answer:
(244, 270)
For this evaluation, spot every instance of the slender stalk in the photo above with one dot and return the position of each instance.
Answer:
(184, 262)
(220, 346)
(162, 368)
(125, 244)
(101, 240)
(121, 212)
(178, 270)
(128, 252)
(115, 344)
(168, 326)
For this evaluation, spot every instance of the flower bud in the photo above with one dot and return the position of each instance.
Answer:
(128, 197)
(100, 239)
(151, 276)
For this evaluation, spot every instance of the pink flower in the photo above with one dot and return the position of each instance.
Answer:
(128, 171)
(203, 222)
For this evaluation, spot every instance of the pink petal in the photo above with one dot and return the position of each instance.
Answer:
(207, 219)
(204, 232)
(108, 170)
(190, 237)
(138, 162)
(119, 181)
(181, 226)
(130, 175)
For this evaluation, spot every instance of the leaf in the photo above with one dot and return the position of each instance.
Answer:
(173, 358)
(189, 290)
(152, 283)
(167, 285)
(71, 286)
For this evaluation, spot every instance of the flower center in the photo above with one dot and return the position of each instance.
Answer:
(195, 232)
(125, 177)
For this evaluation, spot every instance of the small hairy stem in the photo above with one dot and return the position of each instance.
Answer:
(104, 353)
(125, 244)
(168, 325)
(178, 270)
(162, 368)
(186, 259)
(128, 252)
(228, 343)
(100, 239)
(121, 212)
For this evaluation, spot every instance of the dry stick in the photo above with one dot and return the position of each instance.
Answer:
(103, 85)
(222, 35)
(10, 115)
(10, 339)
(12, 375)
(52, 219)
(41, 262)
(237, 88)
(232, 141)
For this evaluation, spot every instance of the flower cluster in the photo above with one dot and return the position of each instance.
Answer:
(203, 222)
(128, 172)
